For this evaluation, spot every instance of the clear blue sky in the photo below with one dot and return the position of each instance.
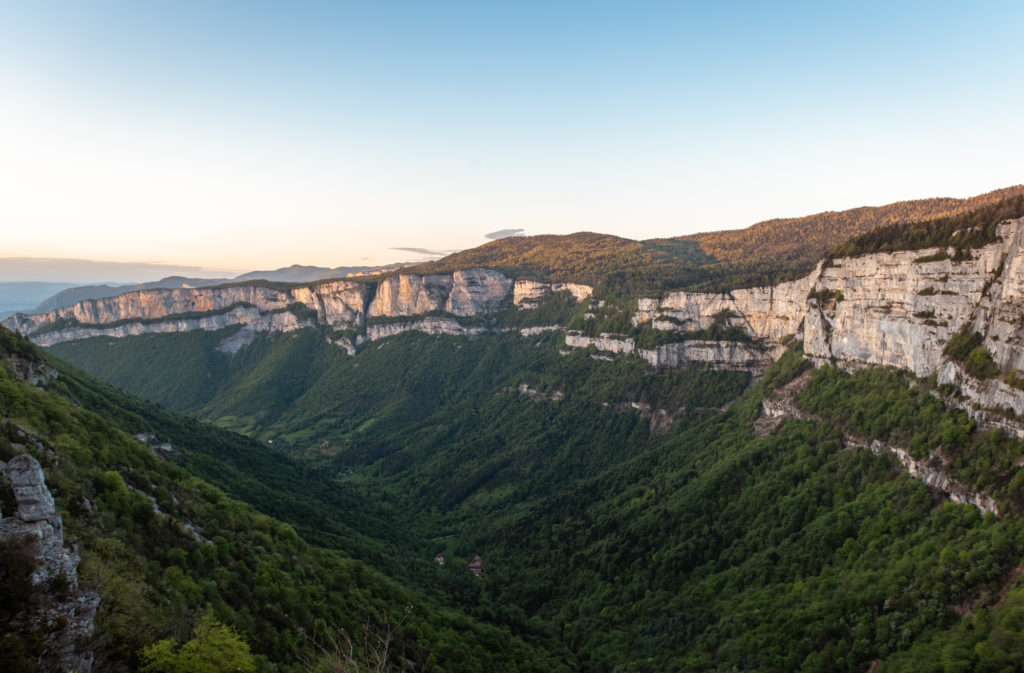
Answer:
(246, 135)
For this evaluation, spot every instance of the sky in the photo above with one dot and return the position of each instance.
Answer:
(232, 136)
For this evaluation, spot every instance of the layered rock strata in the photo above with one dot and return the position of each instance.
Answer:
(771, 313)
(341, 304)
(897, 309)
(738, 355)
(529, 293)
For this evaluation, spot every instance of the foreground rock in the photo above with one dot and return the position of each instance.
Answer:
(58, 608)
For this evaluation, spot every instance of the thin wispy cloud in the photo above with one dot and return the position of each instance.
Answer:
(425, 251)
(504, 233)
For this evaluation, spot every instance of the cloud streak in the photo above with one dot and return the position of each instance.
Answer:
(425, 251)
(504, 233)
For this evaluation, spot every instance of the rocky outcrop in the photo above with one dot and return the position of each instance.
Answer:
(925, 471)
(251, 318)
(60, 608)
(896, 309)
(406, 295)
(35, 373)
(610, 343)
(734, 355)
(737, 355)
(900, 311)
(539, 329)
(477, 291)
(432, 325)
(529, 293)
(464, 293)
(533, 394)
(771, 313)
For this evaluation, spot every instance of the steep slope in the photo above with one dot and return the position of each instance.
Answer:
(161, 547)
(709, 548)
(724, 550)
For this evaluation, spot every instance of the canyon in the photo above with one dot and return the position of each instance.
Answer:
(896, 309)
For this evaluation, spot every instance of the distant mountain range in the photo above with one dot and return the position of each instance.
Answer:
(19, 296)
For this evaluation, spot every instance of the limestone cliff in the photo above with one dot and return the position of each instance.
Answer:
(898, 309)
(529, 293)
(341, 304)
(763, 312)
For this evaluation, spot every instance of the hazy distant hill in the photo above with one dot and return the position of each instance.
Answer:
(295, 273)
(73, 295)
(20, 296)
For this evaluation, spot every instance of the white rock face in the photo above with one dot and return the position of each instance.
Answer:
(342, 304)
(252, 318)
(899, 312)
(406, 294)
(605, 342)
(540, 329)
(477, 291)
(737, 355)
(529, 293)
(762, 312)
(431, 325)
(894, 310)
(35, 503)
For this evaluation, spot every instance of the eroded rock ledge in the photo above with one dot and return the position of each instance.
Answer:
(783, 405)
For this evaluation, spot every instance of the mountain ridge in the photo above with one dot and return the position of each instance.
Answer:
(829, 310)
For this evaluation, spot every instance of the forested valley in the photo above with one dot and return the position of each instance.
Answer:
(502, 502)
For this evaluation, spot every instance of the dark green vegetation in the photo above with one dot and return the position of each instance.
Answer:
(400, 397)
(762, 254)
(627, 520)
(709, 548)
(784, 553)
(962, 231)
(163, 548)
(966, 347)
